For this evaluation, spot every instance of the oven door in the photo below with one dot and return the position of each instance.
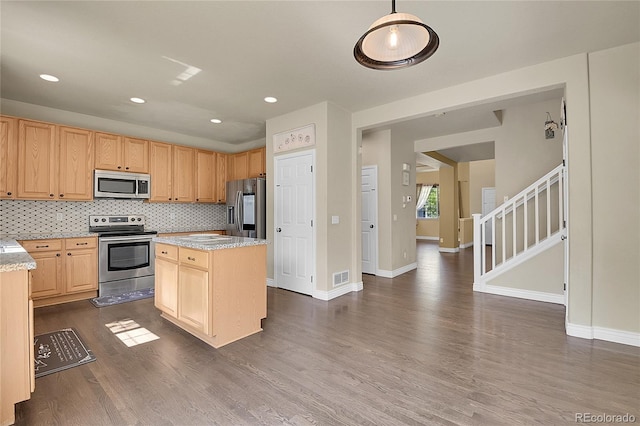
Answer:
(125, 257)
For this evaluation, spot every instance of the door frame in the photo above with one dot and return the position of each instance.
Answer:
(313, 260)
(374, 168)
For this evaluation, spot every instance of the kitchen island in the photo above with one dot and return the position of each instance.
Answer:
(212, 286)
(17, 376)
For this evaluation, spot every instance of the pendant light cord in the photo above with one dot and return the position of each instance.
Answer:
(393, 6)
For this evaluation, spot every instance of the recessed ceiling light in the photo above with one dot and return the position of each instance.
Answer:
(138, 100)
(49, 77)
(270, 100)
(216, 120)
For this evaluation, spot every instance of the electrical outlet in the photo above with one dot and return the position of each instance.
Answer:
(442, 240)
(404, 254)
(172, 215)
(59, 217)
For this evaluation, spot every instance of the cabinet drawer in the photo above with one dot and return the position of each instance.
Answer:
(196, 258)
(80, 243)
(167, 251)
(32, 246)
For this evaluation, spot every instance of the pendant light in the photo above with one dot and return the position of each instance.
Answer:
(397, 40)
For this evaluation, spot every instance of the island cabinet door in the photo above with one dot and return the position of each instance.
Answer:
(166, 276)
(193, 298)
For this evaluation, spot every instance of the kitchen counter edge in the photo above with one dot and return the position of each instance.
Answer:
(235, 242)
(17, 259)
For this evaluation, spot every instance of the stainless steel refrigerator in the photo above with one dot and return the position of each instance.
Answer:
(247, 208)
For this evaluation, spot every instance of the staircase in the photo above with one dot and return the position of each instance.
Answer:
(532, 221)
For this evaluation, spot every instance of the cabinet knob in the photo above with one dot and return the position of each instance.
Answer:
(164, 252)
(57, 254)
(193, 259)
(61, 195)
(119, 167)
(169, 199)
(81, 244)
(50, 195)
(8, 193)
(43, 246)
(68, 254)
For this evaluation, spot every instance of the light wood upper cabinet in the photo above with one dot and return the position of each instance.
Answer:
(37, 160)
(205, 176)
(256, 163)
(238, 166)
(8, 157)
(136, 155)
(120, 153)
(221, 177)
(161, 164)
(184, 160)
(172, 173)
(76, 164)
(247, 164)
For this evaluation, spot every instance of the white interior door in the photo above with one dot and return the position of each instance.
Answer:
(488, 205)
(369, 219)
(294, 201)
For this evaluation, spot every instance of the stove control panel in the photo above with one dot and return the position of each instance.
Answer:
(128, 220)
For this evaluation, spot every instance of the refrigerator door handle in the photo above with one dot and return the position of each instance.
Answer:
(239, 212)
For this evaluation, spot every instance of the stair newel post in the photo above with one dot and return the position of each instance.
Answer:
(478, 249)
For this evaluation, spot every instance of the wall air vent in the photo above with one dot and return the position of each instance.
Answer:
(340, 278)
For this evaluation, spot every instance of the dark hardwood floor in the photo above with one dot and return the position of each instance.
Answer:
(419, 349)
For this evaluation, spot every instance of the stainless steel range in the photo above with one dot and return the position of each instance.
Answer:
(126, 253)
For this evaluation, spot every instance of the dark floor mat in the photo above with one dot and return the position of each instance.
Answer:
(115, 299)
(59, 350)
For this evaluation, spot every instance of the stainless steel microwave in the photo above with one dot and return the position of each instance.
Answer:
(109, 184)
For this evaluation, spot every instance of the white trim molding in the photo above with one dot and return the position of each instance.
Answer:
(449, 250)
(392, 274)
(602, 333)
(422, 237)
(538, 296)
(466, 245)
(338, 291)
(271, 282)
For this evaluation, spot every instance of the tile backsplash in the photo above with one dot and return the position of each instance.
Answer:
(19, 216)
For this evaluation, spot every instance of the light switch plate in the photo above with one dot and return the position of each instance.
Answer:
(335, 220)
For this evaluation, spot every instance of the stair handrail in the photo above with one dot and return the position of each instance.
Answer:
(557, 175)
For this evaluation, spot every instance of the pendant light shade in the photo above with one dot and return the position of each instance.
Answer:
(394, 41)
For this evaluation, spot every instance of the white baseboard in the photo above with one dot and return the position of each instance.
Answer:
(396, 272)
(602, 333)
(538, 296)
(422, 237)
(464, 246)
(338, 291)
(449, 250)
(270, 282)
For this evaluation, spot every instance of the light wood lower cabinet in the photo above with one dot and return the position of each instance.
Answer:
(219, 296)
(16, 343)
(67, 269)
(166, 279)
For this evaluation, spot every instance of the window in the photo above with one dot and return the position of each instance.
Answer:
(431, 207)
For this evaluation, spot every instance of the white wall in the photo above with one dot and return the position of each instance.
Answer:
(334, 190)
(615, 136)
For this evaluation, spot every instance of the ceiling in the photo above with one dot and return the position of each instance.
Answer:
(298, 51)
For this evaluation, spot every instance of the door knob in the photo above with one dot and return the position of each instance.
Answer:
(371, 226)
(278, 229)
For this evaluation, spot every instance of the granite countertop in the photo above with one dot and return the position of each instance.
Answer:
(51, 236)
(217, 243)
(186, 229)
(13, 257)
